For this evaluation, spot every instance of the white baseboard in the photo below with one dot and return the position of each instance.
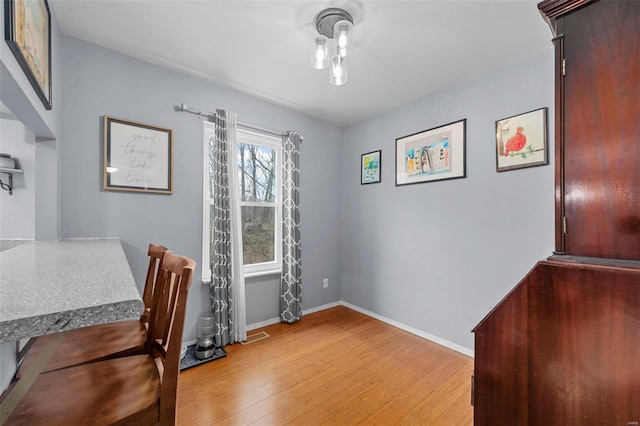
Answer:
(263, 323)
(419, 333)
(321, 308)
(304, 312)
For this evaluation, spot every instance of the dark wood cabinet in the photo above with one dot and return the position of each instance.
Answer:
(564, 346)
(597, 127)
(562, 349)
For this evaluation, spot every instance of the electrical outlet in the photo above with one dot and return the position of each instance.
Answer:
(325, 283)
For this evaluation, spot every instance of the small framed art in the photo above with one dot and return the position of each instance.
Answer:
(370, 167)
(137, 157)
(521, 141)
(431, 155)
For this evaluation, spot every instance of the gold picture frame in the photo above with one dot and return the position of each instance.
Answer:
(28, 34)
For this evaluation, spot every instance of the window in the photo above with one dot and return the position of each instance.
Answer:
(259, 159)
(259, 185)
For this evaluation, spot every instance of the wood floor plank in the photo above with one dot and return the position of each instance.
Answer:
(336, 366)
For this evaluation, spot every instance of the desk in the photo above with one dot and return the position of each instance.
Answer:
(52, 286)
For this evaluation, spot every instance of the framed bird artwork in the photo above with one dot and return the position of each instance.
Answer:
(521, 141)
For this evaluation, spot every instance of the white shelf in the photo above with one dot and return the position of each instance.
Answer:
(10, 171)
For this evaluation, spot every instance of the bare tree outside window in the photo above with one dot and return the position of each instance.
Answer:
(257, 177)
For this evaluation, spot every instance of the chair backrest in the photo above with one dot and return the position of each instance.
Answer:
(164, 334)
(155, 255)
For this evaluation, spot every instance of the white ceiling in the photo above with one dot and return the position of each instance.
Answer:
(403, 50)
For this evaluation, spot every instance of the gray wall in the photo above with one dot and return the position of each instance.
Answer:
(438, 256)
(17, 211)
(32, 211)
(98, 82)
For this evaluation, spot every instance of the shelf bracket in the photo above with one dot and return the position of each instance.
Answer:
(9, 172)
(8, 187)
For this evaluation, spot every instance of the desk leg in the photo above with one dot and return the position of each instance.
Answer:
(21, 353)
(21, 387)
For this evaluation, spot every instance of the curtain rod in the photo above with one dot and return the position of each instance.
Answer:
(184, 108)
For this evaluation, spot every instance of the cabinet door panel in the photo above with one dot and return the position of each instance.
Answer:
(583, 335)
(602, 130)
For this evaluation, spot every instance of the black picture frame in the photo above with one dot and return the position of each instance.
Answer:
(371, 167)
(432, 155)
(521, 140)
(32, 49)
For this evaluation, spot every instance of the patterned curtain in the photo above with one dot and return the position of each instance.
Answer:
(227, 285)
(238, 333)
(291, 282)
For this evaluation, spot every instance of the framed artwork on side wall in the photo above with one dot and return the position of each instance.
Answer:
(521, 141)
(432, 155)
(137, 157)
(370, 167)
(28, 33)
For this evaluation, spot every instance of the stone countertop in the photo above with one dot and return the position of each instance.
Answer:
(6, 244)
(52, 286)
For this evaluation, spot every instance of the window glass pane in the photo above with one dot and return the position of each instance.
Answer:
(256, 173)
(258, 234)
(211, 162)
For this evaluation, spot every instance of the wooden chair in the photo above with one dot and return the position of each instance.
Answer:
(103, 341)
(135, 390)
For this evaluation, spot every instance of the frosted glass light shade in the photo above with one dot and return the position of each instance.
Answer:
(320, 59)
(339, 75)
(341, 31)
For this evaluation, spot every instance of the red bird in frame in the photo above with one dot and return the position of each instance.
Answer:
(516, 142)
(514, 148)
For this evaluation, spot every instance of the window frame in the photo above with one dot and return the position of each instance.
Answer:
(254, 138)
(208, 131)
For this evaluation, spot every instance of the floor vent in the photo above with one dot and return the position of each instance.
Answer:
(255, 337)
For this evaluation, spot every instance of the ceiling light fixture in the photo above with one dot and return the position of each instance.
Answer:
(333, 44)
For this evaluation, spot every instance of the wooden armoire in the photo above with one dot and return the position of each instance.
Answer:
(563, 347)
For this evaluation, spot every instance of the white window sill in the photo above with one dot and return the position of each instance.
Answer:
(207, 280)
(262, 273)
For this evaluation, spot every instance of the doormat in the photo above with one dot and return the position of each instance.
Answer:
(190, 359)
(255, 337)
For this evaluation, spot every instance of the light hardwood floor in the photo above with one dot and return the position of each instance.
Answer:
(334, 367)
